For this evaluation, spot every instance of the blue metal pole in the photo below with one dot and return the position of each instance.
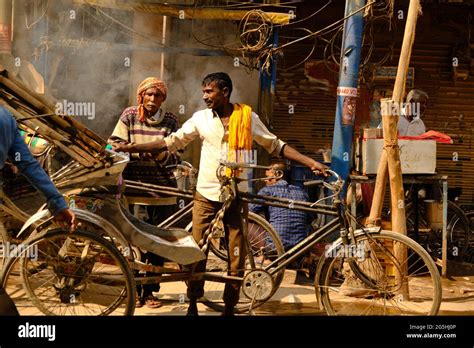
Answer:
(267, 88)
(268, 79)
(347, 89)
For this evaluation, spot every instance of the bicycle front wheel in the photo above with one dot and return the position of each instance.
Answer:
(379, 274)
(70, 274)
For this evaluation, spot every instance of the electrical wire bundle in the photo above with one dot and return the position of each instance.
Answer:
(379, 15)
(255, 31)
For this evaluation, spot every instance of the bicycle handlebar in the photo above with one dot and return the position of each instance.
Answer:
(337, 176)
(235, 165)
(313, 182)
(336, 186)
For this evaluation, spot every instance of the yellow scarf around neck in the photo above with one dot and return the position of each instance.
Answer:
(240, 134)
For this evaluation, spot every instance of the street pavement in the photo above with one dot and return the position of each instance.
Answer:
(293, 299)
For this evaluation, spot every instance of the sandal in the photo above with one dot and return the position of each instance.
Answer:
(152, 302)
(138, 302)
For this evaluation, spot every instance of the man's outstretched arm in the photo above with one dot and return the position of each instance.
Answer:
(277, 147)
(154, 147)
(174, 142)
(294, 155)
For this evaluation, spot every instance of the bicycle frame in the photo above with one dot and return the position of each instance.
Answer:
(336, 210)
(339, 223)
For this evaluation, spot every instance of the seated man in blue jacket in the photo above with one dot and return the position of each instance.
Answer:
(292, 225)
(13, 146)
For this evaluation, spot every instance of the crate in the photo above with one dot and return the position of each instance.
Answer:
(416, 156)
(434, 213)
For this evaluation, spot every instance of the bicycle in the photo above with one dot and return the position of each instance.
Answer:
(369, 242)
(425, 226)
(391, 273)
(468, 210)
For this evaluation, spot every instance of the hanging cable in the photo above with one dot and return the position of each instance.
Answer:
(142, 35)
(255, 30)
(29, 26)
(313, 48)
(310, 16)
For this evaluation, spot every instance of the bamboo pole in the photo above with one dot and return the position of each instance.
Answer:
(61, 142)
(42, 105)
(379, 192)
(392, 151)
(390, 159)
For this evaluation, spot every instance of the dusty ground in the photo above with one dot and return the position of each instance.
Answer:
(292, 299)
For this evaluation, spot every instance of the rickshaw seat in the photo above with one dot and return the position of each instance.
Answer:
(175, 244)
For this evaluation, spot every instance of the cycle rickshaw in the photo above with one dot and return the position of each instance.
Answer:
(85, 273)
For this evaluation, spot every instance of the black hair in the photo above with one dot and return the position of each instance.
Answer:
(221, 79)
(283, 167)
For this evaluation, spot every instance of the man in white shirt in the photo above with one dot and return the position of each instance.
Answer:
(212, 126)
(410, 123)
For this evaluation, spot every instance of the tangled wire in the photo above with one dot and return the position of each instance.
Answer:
(375, 17)
(255, 46)
(255, 30)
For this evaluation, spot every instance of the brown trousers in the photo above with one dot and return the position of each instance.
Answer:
(204, 212)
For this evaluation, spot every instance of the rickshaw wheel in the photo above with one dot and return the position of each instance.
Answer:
(60, 273)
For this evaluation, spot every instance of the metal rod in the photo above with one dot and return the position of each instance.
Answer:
(444, 252)
(139, 184)
(178, 216)
(250, 195)
(295, 206)
(65, 167)
(171, 193)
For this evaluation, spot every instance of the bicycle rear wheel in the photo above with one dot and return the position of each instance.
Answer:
(470, 251)
(392, 286)
(70, 274)
(265, 244)
(431, 237)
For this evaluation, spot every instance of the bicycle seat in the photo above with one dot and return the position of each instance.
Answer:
(174, 244)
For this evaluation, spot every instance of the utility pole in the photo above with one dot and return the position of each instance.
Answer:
(347, 88)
